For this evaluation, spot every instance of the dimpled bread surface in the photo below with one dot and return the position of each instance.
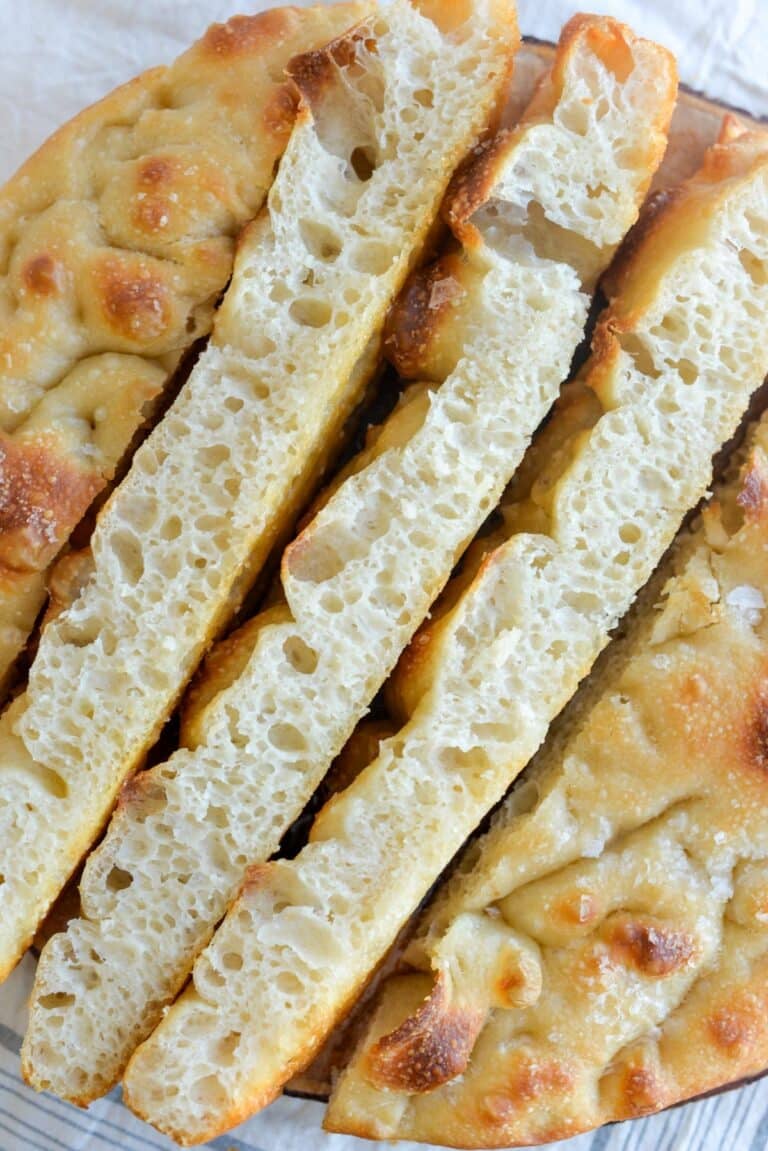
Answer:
(116, 239)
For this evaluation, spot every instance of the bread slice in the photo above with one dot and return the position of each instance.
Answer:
(394, 108)
(355, 196)
(602, 952)
(116, 239)
(441, 461)
(677, 355)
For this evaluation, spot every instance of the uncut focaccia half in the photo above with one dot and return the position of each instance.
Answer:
(520, 290)
(603, 951)
(116, 239)
(387, 113)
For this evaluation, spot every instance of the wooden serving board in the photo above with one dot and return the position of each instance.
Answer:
(695, 126)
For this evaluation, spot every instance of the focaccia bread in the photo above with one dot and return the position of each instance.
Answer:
(116, 239)
(389, 112)
(677, 355)
(178, 543)
(503, 324)
(603, 951)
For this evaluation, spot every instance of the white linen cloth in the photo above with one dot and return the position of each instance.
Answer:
(56, 56)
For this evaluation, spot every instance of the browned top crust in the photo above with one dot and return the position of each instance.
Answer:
(434, 300)
(116, 239)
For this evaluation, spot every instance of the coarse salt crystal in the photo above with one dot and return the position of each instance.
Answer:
(748, 601)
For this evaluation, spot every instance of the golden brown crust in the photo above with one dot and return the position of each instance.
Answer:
(426, 327)
(246, 35)
(43, 275)
(672, 221)
(655, 211)
(734, 1028)
(753, 497)
(39, 489)
(134, 301)
(634, 1085)
(429, 1048)
(315, 73)
(434, 299)
(530, 1079)
(412, 676)
(473, 183)
(651, 948)
(361, 748)
(280, 112)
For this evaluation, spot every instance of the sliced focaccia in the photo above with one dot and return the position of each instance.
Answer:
(388, 113)
(379, 130)
(677, 355)
(116, 239)
(363, 573)
(602, 952)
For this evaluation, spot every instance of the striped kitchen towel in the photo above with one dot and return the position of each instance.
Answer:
(737, 1121)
